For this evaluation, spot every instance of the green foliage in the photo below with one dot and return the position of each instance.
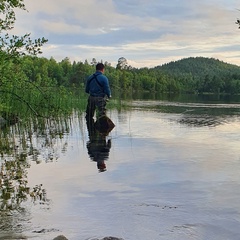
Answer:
(202, 74)
(190, 75)
(122, 63)
(14, 45)
(25, 82)
(7, 12)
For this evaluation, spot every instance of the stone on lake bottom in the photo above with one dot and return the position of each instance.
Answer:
(60, 237)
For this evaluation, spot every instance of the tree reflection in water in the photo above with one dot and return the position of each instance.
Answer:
(20, 144)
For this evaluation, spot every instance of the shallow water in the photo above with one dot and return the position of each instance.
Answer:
(172, 173)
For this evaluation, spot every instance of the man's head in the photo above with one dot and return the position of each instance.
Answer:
(100, 67)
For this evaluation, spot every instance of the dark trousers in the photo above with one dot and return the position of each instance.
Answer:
(95, 103)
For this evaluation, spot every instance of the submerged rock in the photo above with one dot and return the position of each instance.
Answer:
(60, 237)
(108, 238)
(112, 238)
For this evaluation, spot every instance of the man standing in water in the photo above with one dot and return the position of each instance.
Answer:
(98, 88)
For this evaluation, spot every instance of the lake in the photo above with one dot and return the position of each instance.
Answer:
(169, 170)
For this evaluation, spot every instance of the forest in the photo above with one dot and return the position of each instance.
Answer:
(190, 75)
(32, 80)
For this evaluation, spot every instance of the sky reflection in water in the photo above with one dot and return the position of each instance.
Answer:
(167, 178)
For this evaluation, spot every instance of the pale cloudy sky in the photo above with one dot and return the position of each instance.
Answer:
(146, 32)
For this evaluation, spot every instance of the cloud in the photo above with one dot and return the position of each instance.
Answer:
(144, 31)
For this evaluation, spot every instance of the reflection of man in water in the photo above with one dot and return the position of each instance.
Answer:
(98, 147)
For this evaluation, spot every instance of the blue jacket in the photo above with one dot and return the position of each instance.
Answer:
(97, 85)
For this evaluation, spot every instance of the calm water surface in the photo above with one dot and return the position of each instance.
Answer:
(172, 173)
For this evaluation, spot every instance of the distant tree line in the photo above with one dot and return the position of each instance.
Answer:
(190, 75)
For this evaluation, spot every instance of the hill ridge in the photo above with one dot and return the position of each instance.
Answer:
(196, 65)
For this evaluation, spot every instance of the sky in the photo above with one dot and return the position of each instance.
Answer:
(147, 33)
